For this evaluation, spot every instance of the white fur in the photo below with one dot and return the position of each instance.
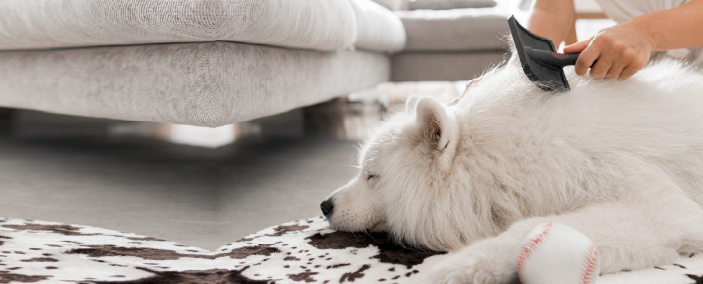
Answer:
(620, 161)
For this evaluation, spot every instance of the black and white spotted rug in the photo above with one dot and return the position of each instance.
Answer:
(304, 251)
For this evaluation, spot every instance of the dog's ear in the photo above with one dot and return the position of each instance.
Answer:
(411, 103)
(440, 127)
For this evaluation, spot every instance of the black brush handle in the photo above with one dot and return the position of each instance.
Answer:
(551, 58)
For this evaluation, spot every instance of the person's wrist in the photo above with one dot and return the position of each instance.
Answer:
(643, 27)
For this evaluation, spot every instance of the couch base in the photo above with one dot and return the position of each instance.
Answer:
(444, 66)
(207, 84)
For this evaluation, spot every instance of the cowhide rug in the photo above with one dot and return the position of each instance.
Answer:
(304, 251)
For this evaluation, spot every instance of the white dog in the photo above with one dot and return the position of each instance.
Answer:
(620, 161)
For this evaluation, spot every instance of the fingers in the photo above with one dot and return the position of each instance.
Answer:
(624, 59)
(609, 60)
(620, 69)
(625, 63)
(614, 72)
(633, 67)
(617, 52)
(589, 55)
(577, 47)
(601, 67)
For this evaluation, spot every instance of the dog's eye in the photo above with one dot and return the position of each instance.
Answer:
(370, 176)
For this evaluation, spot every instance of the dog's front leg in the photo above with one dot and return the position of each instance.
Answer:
(487, 261)
(629, 234)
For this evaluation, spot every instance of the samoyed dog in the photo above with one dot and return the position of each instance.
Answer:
(620, 161)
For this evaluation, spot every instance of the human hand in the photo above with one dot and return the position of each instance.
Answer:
(620, 52)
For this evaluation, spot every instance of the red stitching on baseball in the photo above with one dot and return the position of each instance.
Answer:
(589, 265)
(530, 247)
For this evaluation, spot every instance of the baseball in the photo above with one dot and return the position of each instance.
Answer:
(554, 253)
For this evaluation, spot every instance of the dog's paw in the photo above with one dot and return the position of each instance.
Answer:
(482, 263)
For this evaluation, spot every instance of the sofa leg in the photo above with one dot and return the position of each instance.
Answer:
(6, 119)
(325, 119)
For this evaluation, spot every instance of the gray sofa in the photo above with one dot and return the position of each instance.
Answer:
(456, 44)
(215, 62)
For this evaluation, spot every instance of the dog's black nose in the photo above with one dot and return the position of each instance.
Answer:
(326, 207)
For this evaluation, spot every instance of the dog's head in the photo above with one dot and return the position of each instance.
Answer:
(408, 184)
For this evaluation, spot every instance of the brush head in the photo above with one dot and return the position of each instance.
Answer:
(548, 78)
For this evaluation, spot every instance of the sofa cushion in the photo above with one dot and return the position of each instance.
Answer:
(308, 24)
(455, 30)
(449, 4)
(392, 5)
(378, 28)
(208, 83)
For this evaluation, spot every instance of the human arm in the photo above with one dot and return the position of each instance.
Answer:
(551, 19)
(624, 49)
